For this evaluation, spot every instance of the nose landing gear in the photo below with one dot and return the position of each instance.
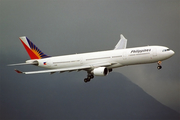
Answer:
(159, 65)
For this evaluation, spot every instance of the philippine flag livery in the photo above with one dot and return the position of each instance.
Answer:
(33, 51)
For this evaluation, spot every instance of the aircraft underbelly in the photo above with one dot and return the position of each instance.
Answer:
(138, 59)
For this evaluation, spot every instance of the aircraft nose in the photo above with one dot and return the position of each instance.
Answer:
(172, 52)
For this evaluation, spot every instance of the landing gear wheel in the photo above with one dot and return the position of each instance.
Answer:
(89, 77)
(86, 80)
(110, 70)
(159, 67)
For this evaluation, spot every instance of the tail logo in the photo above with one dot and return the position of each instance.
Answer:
(33, 51)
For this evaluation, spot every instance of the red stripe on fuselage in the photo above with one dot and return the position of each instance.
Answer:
(31, 54)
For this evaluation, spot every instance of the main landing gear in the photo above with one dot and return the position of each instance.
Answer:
(159, 65)
(89, 77)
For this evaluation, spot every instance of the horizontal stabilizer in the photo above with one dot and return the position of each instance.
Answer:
(18, 71)
(22, 64)
(122, 43)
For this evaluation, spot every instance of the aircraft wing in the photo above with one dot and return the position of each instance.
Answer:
(55, 70)
(122, 43)
(67, 69)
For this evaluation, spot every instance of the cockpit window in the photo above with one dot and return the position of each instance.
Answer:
(165, 50)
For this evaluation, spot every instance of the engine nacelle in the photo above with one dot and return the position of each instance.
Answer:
(100, 71)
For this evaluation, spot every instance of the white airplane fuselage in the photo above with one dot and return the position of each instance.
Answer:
(118, 58)
(94, 63)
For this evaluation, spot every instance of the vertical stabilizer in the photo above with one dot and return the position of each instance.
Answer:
(122, 43)
(33, 51)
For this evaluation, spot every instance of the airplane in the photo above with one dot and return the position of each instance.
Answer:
(98, 63)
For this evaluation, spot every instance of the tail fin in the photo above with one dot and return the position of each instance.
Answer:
(33, 51)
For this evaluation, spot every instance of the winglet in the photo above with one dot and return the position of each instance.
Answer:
(122, 43)
(122, 37)
(18, 71)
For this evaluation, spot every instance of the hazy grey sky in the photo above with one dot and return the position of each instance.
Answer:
(65, 27)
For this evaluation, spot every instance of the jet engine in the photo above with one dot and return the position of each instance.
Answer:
(100, 71)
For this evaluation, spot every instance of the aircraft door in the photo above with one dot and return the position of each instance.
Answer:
(124, 55)
(82, 60)
(154, 52)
